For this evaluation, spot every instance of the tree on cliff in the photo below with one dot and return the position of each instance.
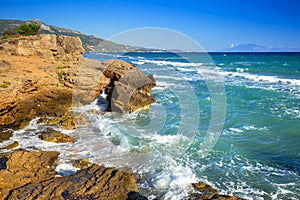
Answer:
(24, 29)
(28, 29)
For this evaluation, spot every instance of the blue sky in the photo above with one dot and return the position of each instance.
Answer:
(214, 24)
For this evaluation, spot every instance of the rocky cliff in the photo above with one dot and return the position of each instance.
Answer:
(41, 74)
(57, 47)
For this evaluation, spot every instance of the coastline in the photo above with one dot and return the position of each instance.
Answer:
(38, 82)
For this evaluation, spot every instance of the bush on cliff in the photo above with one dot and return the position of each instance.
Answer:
(28, 29)
(24, 29)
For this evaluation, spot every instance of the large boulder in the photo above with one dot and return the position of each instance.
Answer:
(129, 88)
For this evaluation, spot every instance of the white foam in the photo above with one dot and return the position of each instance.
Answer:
(262, 78)
(66, 169)
(175, 64)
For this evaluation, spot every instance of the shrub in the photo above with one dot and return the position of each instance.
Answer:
(5, 84)
(28, 29)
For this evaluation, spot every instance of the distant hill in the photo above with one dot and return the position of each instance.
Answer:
(90, 42)
(258, 48)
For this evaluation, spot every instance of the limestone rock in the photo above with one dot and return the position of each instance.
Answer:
(57, 47)
(50, 135)
(129, 88)
(95, 182)
(51, 102)
(24, 167)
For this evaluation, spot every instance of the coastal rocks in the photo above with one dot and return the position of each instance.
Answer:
(30, 175)
(24, 167)
(95, 182)
(57, 47)
(50, 135)
(129, 89)
(81, 164)
(207, 192)
(5, 135)
(51, 102)
(126, 88)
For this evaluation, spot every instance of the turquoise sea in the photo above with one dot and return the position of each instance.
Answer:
(231, 120)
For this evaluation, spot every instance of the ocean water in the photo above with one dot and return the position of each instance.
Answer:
(230, 120)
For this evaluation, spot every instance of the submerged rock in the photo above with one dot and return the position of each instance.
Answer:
(50, 135)
(207, 192)
(82, 164)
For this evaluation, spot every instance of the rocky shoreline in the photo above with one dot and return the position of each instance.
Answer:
(44, 76)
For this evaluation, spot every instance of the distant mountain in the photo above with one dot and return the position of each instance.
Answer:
(89, 42)
(258, 48)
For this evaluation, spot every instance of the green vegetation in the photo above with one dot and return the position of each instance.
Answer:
(66, 65)
(61, 72)
(22, 30)
(5, 84)
(28, 29)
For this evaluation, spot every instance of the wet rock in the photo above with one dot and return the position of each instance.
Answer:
(5, 135)
(24, 167)
(13, 145)
(207, 192)
(50, 135)
(95, 182)
(66, 121)
(82, 164)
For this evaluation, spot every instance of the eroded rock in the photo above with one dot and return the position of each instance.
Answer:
(129, 88)
(57, 47)
(207, 192)
(50, 135)
(24, 167)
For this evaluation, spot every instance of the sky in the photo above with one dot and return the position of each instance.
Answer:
(214, 24)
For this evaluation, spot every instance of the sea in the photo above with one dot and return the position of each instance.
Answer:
(231, 120)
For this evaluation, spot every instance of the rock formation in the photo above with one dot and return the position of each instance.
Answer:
(43, 75)
(31, 175)
(58, 47)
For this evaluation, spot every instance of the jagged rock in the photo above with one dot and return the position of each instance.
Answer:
(51, 102)
(50, 135)
(95, 182)
(129, 88)
(5, 135)
(57, 47)
(24, 167)
(207, 192)
(30, 175)
(66, 121)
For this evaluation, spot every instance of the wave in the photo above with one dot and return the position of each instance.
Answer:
(168, 63)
